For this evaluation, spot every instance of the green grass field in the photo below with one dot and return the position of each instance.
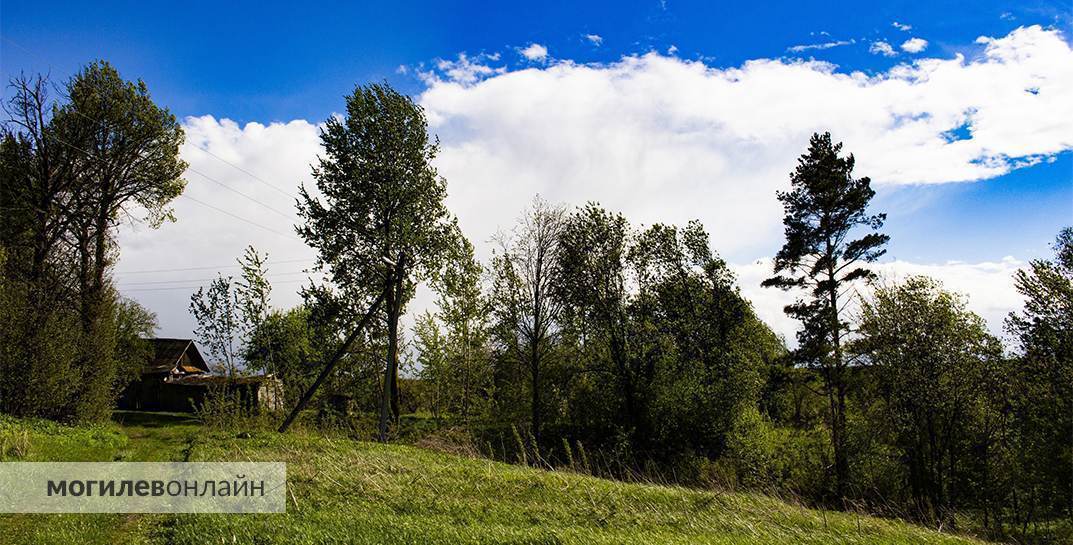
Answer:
(343, 491)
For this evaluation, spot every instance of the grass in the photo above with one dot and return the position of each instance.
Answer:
(343, 491)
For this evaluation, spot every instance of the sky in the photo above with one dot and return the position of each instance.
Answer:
(960, 113)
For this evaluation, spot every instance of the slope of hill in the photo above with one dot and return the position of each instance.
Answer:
(343, 491)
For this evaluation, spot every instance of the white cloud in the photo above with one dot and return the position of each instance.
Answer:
(279, 154)
(535, 52)
(666, 139)
(914, 45)
(825, 45)
(987, 286)
(672, 49)
(594, 39)
(882, 48)
(463, 69)
(901, 26)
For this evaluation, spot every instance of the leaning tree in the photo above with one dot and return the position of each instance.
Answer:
(380, 223)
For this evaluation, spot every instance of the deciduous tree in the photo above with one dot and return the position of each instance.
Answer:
(380, 222)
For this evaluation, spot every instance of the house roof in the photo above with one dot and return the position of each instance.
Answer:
(168, 353)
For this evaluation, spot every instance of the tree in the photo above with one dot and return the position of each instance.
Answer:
(134, 326)
(230, 312)
(383, 224)
(1043, 400)
(286, 344)
(822, 210)
(38, 176)
(435, 368)
(707, 348)
(72, 171)
(931, 358)
(252, 292)
(216, 313)
(524, 280)
(130, 148)
(464, 311)
(592, 289)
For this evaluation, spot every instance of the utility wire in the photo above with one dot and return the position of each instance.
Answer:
(241, 194)
(188, 280)
(183, 195)
(210, 267)
(240, 218)
(173, 288)
(222, 185)
(248, 173)
(222, 211)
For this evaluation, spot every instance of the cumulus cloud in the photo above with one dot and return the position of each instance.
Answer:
(901, 26)
(824, 45)
(535, 52)
(264, 162)
(880, 47)
(594, 39)
(914, 45)
(667, 139)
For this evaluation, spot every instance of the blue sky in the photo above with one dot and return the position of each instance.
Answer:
(263, 63)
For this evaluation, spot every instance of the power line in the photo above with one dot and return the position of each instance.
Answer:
(188, 280)
(209, 267)
(240, 218)
(241, 194)
(221, 210)
(174, 288)
(218, 182)
(248, 173)
(192, 169)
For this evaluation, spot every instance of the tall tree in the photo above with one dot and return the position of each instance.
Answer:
(706, 346)
(73, 170)
(592, 287)
(230, 315)
(382, 224)
(526, 311)
(252, 293)
(822, 211)
(131, 150)
(39, 176)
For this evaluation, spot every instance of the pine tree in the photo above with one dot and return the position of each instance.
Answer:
(822, 209)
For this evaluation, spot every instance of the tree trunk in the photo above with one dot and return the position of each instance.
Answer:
(389, 402)
(838, 409)
(534, 367)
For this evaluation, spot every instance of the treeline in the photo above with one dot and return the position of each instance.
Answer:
(71, 169)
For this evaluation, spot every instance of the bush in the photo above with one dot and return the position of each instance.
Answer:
(764, 456)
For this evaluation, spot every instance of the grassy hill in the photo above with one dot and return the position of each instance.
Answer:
(343, 491)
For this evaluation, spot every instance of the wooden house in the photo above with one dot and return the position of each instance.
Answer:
(177, 379)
